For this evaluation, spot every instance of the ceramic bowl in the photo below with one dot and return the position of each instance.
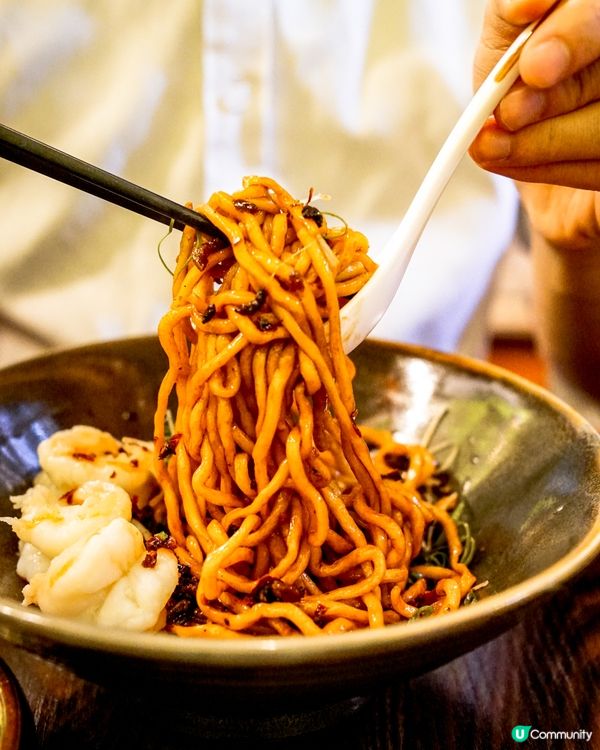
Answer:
(528, 466)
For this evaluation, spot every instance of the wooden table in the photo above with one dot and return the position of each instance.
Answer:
(545, 672)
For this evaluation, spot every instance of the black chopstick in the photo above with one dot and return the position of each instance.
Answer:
(40, 157)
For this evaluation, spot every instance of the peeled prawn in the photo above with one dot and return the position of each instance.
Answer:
(136, 601)
(80, 550)
(31, 561)
(69, 458)
(79, 577)
(102, 579)
(53, 523)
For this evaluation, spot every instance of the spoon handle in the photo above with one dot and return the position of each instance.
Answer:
(360, 315)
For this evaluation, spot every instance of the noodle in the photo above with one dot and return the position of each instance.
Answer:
(289, 518)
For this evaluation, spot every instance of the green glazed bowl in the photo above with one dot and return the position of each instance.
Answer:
(528, 466)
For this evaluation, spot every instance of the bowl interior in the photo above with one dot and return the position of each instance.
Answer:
(528, 467)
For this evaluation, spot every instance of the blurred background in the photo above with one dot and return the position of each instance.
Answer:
(349, 97)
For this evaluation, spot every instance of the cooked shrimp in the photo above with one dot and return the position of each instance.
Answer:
(79, 548)
(54, 523)
(78, 579)
(136, 601)
(69, 458)
(31, 561)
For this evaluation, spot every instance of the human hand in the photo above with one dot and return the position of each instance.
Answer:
(546, 128)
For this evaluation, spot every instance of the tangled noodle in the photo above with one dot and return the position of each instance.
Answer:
(286, 517)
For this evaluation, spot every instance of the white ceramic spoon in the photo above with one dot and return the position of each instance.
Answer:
(360, 315)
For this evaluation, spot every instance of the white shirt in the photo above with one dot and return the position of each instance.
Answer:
(349, 97)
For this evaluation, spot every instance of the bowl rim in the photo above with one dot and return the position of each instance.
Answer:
(257, 652)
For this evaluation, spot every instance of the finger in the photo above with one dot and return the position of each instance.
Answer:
(496, 37)
(523, 12)
(565, 42)
(503, 22)
(524, 105)
(568, 137)
(533, 156)
(582, 175)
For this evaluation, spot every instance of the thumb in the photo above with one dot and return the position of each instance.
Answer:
(566, 42)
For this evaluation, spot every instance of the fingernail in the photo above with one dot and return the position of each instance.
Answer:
(493, 145)
(545, 64)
